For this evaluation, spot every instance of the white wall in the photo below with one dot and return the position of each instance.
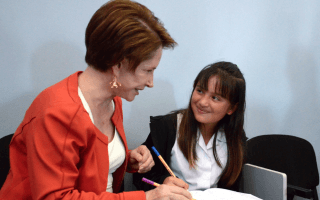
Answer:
(275, 43)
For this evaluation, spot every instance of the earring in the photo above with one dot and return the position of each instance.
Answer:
(114, 83)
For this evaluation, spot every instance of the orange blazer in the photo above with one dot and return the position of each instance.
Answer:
(57, 153)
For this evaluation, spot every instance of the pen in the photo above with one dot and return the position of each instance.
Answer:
(163, 162)
(150, 182)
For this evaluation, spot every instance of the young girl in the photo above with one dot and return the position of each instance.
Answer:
(204, 144)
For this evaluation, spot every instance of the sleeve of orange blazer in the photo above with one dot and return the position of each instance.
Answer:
(55, 141)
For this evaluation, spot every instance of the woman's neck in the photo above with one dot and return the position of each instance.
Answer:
(95, 88)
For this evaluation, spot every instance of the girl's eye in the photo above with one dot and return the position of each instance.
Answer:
(215, 98)
(199, 91)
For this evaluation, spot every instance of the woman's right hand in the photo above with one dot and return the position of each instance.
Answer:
(168, 192)
(170, 180)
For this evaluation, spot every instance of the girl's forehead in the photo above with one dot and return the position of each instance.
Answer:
(211, 82)
(211, 85)
(214, 85)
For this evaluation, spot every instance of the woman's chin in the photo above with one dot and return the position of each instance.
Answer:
(130, 98)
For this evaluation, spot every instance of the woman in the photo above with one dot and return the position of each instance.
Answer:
(204, 143)
(71, 142)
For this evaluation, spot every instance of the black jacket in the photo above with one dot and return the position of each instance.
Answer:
(162, 137)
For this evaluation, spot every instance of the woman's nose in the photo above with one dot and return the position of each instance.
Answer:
(150, 82)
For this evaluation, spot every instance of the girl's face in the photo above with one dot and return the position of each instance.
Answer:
(208, 106)
(132, 82)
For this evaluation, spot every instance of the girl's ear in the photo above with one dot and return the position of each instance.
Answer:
(232, 109)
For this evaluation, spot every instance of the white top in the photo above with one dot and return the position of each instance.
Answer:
(117, 156)
(207, 172)
(116, 150)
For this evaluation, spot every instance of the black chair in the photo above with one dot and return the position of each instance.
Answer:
(4, 158)
(291, 155)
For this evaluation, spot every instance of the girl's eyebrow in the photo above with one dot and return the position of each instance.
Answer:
(211, 93)
(215, 94)
(199, 86)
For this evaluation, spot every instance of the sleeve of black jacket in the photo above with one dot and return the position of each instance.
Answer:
(162, 137)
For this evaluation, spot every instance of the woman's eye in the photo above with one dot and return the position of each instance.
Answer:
(199, 91)
(150, 70)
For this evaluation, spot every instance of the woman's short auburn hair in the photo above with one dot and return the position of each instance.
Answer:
(123, 29)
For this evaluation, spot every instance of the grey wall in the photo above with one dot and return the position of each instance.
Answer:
(275, 43)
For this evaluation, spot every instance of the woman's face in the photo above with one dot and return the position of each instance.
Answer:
(208, 106)
(132, 82)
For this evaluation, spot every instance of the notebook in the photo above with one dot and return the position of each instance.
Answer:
(221, 194)
(263, 183)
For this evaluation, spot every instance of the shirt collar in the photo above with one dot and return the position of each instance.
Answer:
(220, 139)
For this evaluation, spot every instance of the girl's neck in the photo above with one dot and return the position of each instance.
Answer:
(207, 131)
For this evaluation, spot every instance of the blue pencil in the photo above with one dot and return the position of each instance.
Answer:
(163, 162)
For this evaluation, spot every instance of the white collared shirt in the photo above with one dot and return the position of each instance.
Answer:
(207, 172)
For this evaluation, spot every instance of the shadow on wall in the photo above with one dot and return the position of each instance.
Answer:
(303, 116)
(50, 63)
(11, 59)
(258, 121)
(158, 100)
(150, 102)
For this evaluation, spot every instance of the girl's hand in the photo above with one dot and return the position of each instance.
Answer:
(176, 182)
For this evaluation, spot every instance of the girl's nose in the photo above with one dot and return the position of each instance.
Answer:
(204, 101)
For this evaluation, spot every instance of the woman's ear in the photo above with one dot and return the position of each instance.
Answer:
(116, 69)
(120, 67)
(232, 109)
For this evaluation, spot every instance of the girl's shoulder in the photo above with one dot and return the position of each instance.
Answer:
(171, 117)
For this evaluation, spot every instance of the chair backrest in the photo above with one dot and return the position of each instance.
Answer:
(4, 157)
(291, 155)
(263, 183)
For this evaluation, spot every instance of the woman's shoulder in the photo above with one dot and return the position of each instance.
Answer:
(62, 93)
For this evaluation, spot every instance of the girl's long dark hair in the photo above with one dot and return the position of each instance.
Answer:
(232, 86)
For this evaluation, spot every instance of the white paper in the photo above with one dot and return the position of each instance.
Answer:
(221, 194)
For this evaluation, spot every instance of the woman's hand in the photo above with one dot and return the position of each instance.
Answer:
(167, 192)
(170, 180)
(141, 159)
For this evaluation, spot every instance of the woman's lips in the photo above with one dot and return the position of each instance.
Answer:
(137, 91)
